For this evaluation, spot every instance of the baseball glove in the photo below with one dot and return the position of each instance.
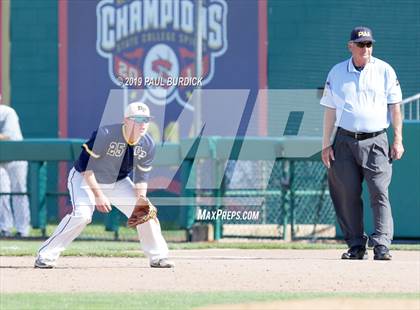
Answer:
(143, 211)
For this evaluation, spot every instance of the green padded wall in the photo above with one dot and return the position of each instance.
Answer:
(306, 38)
(34, 73)
(34, 66)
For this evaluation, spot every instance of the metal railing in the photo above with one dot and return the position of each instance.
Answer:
(411, 108)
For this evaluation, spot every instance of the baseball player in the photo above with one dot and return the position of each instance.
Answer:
(100, 178)
(13, 178)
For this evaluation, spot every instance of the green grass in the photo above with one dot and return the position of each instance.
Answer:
(77, 248)
(95, 231)
(132, 249)
(158, 300)
(277, 245)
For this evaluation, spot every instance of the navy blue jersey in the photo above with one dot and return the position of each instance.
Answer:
(109, 155)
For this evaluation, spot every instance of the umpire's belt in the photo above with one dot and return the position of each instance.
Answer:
(359, 135)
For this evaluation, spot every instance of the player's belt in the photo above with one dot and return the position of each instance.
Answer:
(359, 135)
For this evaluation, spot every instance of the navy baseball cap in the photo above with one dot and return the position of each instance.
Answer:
(361, 34)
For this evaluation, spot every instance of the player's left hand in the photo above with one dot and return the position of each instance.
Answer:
(397, 150)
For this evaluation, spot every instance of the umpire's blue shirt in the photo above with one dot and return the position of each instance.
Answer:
(361, 98)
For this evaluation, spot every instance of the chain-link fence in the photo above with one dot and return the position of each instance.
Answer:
(256, 186)
(279, 199)
(312, 213)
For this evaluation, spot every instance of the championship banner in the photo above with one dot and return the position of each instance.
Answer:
(148, 48)
(151, 45)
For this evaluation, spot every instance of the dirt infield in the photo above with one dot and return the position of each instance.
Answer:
(218, 270)
(324, 304)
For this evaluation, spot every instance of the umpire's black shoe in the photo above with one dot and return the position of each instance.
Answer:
(355, 252)
(381, 252)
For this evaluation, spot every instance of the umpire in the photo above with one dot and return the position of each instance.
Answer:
(362, 96)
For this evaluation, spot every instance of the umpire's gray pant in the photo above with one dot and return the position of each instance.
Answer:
(356, 160)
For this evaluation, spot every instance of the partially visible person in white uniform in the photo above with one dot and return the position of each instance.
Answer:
(13, 179)
(100, 177)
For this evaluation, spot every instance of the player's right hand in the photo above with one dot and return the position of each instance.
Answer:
(327, 155)
(102, 204)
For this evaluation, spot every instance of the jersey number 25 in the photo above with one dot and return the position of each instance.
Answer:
(116, 149)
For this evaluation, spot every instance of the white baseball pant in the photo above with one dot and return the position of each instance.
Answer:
(13, 179)
(122, 195)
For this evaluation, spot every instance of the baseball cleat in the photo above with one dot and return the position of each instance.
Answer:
(162, 263)
(43, 265)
